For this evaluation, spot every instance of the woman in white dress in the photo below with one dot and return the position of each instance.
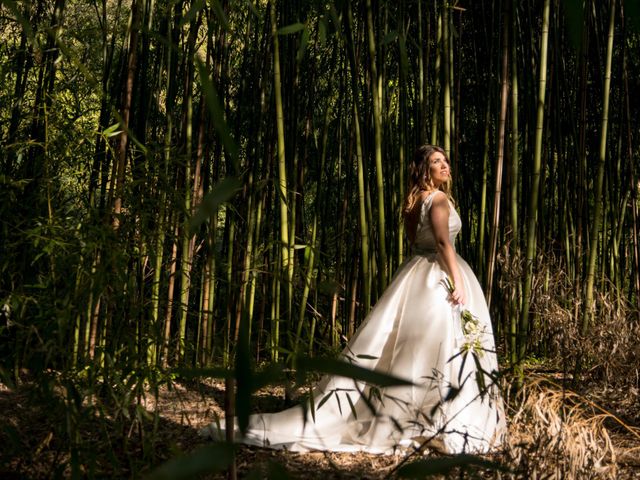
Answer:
(415, 332)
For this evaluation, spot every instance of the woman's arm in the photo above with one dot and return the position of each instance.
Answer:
(439, 215)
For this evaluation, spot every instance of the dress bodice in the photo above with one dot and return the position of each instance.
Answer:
(425, 241)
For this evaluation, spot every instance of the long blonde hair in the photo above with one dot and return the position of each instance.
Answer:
(419, 180)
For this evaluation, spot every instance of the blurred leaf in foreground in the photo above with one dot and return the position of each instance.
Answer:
(344, 369)
(220, 193)
(207, 459)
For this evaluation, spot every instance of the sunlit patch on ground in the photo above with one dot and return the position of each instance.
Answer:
(553, 434)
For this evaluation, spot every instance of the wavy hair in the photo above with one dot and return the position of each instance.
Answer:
(419, 180)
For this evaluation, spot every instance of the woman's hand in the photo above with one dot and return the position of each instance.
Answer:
(458, 296)
(440, 221)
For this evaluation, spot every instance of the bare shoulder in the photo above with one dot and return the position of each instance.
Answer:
(440, 199)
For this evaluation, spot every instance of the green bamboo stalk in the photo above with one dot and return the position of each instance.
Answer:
(208, 339)
(535, 182)
(274, 339)
(515, 134)
(311, 245)
(93, 312)
(634, 281)
(285, 245)
(157, 280)
(185, 261)
(166, 340)
(247, 275)
(119, 166)
(436, 83)
(589, 305)
(482, 218)
(504, 95)
(231, 333)
(421, 83)
(364, 231)
(402, 161)
(446, 91)
(376, 85)
(515, 179)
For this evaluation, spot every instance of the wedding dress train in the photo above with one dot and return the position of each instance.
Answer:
(414, 333)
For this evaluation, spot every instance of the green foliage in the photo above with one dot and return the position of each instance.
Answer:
(90, 312)
(344, 368)
(208, 459)
(212, 201)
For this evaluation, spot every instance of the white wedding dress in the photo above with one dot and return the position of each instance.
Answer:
(415, 333)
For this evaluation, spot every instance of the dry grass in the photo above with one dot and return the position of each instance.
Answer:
(553, 433)
(608, 354)
(556, 433)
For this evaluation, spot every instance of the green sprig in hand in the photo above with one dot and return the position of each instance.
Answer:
(470, 325)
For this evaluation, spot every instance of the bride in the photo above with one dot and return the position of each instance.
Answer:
(432, 327)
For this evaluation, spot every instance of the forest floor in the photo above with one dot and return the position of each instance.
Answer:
(29, 427)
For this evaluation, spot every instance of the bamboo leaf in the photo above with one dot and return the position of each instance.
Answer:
(329, 286)
(390, 37)
(344, 369)
(221, 16)
(482, 386)
(396, 424)
(271, 374)
(451, 394)
(312, 407)
(112, 131)
(253, 9)
(465, 354)
(223, 191)
(404, 58)
(368, 403)
(322, 30)
(304, 40)
(352, 406)
(366, 357)
(207, 459)
(196, 6)
(339, 403)
(289, 29)
(326, 398)
(26, 25)
(217, 114)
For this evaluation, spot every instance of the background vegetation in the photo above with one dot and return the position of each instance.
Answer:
(218, 184)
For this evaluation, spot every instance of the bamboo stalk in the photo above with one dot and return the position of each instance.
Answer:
(376, 92)
(504, 95)
(286, 258)
(589, 306)
(535, 182)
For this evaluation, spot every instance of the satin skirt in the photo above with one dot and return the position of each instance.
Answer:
(414, 333)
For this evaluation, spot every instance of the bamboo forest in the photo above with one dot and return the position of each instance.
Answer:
(201, 201)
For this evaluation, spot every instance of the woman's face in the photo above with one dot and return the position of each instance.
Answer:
(438, 169)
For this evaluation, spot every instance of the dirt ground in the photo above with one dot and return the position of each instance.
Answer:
(31, 449)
